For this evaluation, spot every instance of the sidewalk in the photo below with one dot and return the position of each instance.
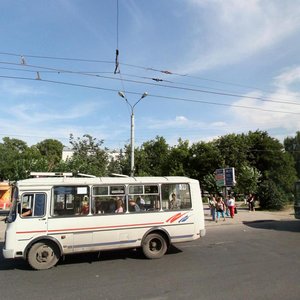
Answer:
(243, 215)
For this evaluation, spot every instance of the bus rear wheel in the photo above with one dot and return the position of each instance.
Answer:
(154, 246)
(42, 256)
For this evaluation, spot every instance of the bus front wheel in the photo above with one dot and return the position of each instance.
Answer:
(154, 246)
(42, 256)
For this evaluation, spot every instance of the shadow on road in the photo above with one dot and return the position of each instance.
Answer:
(291, 226)
(91, 257)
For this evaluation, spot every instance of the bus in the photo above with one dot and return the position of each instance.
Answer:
(53, 216)
(297, 200)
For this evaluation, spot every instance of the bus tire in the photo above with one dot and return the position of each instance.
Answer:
(42, 256)
(154, 246)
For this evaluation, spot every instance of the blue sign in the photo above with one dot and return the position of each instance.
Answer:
(220, 177)
(229, 177)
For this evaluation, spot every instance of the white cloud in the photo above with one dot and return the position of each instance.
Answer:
(277, 120)
(288, 77)
(35, 113)
(235, 30)
(13, 88)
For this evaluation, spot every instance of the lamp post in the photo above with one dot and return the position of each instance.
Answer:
(122, 94)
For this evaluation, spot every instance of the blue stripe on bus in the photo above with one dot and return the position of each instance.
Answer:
(182, 236)
(105, 244)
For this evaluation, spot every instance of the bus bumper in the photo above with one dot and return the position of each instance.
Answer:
(8, 253)
(202, 232)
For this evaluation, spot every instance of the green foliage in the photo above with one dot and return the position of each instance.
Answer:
(247, 180)
(209, 184)
(270, 196)
(115, 166)
(51, 150)
(205, 158)
(233, 148)
(151, 158)
(179, 157)
(292, 146)
(88, 157)
(261, 162)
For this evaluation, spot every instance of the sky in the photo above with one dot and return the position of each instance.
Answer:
(210, 68)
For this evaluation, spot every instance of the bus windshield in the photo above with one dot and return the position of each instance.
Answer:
(13, 209)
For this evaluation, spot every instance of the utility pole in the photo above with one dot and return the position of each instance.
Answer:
(122, 94)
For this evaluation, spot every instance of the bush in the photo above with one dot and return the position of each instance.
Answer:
(270, 196)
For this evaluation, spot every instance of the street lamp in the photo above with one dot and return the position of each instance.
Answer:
(122, 94)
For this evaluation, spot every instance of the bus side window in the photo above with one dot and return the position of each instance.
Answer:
(39, 205)
(33, 204)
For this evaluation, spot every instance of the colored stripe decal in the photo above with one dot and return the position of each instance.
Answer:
(181, 236)
(91, 228)
(32, 231)
(105, 244)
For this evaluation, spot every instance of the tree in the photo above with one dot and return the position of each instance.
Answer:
(209, 184)
(205, 158)
(268, 156)
(271, 196)
(88, 156)
(233, 149)
(11, 151)
(292, 145)
(52, 151)
(247, 180)
(115, 164)
(152, 158)
(179, 159)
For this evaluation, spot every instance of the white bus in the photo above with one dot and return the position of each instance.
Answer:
(54, 216)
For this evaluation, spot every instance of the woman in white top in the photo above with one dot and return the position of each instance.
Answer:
(119, 204)
(231, 205)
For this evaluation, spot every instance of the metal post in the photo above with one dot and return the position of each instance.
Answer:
(122, 94)
(132, 144)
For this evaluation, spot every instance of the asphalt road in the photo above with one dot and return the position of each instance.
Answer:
(250, 260)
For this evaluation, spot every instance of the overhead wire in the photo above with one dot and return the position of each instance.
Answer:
(155, 84)
(132, 65)
(152, 95)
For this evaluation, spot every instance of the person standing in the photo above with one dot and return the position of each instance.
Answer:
(231, 205)
(212, 205)
(251, 202)
(220, 206)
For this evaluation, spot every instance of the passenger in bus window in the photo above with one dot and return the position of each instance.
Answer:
(26, 212)
(111, 205)
(174, 203)
(119, 205)
(140, 202)
(85, 206)
(133, 206)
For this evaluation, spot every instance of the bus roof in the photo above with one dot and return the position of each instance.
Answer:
(101, 180)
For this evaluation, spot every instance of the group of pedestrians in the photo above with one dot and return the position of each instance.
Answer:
(219, 208)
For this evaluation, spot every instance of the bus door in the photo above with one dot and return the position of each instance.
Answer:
(32, 220)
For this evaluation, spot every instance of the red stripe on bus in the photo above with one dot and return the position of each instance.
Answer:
(90, 228)
(32, 231)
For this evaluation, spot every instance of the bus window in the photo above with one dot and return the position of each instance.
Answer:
(33, 204)
(145, 197)
(176, 196)
(105, 199)
(70, 200)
